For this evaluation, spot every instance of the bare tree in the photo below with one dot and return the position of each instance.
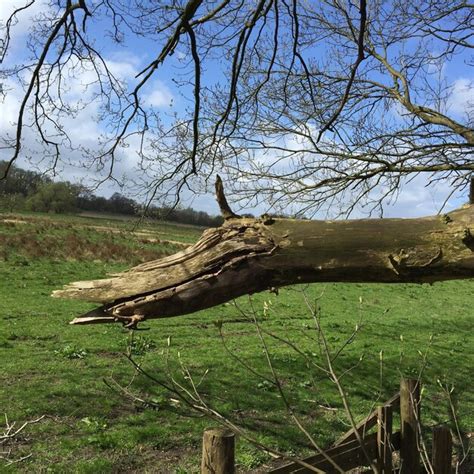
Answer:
(245, 256)
(302, 103)
(308, 106)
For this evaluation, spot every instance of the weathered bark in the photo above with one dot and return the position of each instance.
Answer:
(218, 452)
(250, 255)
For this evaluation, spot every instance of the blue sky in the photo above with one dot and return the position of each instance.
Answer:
(161, 93)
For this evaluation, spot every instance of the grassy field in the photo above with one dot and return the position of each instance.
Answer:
(65, 372)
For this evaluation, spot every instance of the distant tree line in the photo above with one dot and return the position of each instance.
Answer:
(33, 191)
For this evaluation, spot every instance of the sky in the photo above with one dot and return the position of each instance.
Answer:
(127, 60)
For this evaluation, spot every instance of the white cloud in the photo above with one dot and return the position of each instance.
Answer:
(462, 96)
(79, 87)
(181, 56)
(417, 199)
(126, 69)
(25, 17)
(159, 96)
(23, 21)
(81, 127)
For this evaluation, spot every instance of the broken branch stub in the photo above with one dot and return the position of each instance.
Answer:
(245, 256)
(226, 211)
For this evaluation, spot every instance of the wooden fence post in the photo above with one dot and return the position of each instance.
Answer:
(409, 425)
(218, 452)
(442, 450)
(384, 438)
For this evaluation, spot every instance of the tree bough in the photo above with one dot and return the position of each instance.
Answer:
(246, 256)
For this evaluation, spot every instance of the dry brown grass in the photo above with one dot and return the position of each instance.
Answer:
(44, 238)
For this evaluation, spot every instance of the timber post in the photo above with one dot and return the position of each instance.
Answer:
(218, 451)
(384, 438)
(442, 450)
(409, 426)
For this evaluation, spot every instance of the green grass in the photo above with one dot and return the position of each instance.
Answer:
(51, 368)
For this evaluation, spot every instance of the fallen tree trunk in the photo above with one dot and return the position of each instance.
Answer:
(250, 255)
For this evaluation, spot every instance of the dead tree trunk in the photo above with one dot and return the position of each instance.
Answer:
(250, 255)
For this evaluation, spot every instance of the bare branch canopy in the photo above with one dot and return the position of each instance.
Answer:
(303, 106)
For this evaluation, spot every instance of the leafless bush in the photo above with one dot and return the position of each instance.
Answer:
(10, 436)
